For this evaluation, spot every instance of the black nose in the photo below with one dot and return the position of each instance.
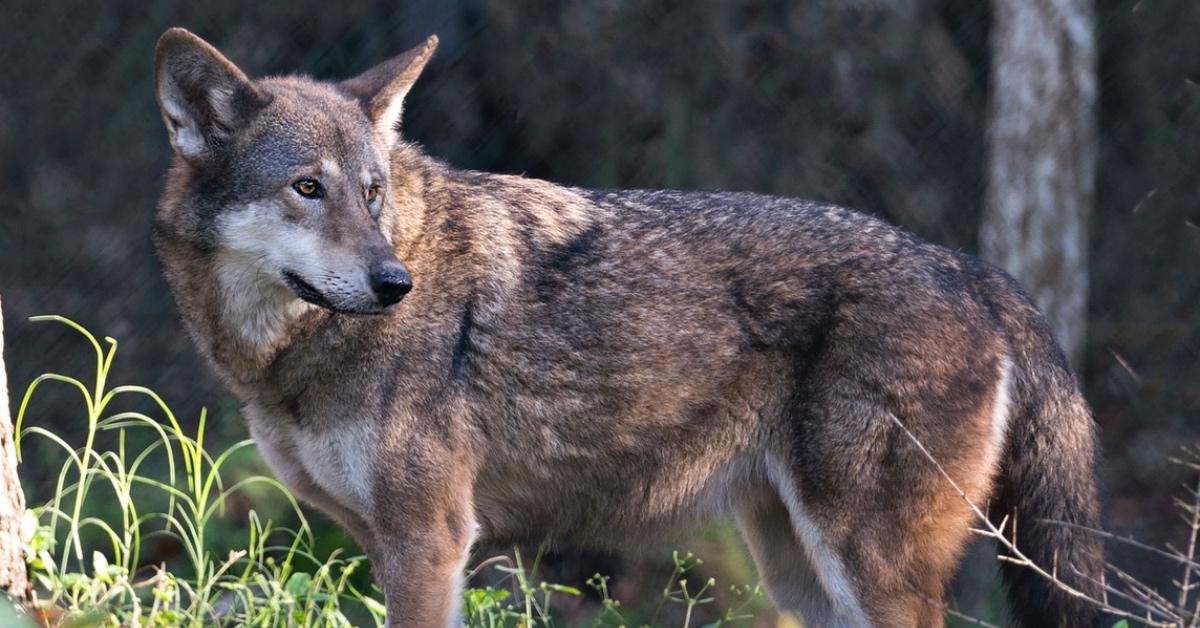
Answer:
(390, 282)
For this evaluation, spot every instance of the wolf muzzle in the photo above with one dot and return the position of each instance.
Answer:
(390, 281)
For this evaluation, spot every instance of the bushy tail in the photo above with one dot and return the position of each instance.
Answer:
(1049, 473)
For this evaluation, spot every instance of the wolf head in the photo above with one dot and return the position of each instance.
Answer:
(284, 181)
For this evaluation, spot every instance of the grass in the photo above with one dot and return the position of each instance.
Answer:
(139, 479)
(88, 568)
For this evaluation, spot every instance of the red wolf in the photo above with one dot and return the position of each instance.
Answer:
(434, 357)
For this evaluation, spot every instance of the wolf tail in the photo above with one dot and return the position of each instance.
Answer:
(1048, 474)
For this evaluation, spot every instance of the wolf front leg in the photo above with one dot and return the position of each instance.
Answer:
(423, 539)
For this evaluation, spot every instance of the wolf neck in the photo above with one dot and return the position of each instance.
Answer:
(256, 314)
(239, 321)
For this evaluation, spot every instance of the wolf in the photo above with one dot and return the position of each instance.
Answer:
(436, 357)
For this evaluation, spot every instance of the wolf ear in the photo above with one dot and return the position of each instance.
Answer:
(381, 89)
(204, 97)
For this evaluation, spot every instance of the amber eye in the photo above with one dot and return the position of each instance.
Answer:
(373, 193)
(308, 188)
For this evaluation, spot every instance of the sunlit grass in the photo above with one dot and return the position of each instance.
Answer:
(89, 567)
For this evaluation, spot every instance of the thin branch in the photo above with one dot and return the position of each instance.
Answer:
(1111, 590)
(1127, 540)
(1185, 588)
(500, 558)
(1150, 597)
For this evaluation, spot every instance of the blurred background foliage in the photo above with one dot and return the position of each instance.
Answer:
(875, 104)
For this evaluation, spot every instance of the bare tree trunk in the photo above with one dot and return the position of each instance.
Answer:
(1042, 155)
(12, 500)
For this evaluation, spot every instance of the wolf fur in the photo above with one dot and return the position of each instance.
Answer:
(603, 367)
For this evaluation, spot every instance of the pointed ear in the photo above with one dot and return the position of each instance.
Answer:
(203, 96)
(381, 89)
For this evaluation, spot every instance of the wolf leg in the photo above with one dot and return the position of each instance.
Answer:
(422, 580)
(786, 571)
(424, 526)
(882, 529)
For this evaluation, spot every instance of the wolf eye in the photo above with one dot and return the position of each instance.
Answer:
(308, 188)
(373, 193)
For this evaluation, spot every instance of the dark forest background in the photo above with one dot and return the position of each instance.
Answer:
(877, 105)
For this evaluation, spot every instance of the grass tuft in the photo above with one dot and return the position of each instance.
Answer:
(87, 562)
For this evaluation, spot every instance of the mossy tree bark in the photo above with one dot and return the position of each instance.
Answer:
(1042, 155)
(12, 500)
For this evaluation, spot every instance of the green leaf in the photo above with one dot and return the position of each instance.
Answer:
(69, 580)
(10, 615)
(484, 599)
(374, 606)
(298, 584)
(86, 619)
(562, 588)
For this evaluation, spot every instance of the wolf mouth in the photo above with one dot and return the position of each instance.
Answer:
(306, 291)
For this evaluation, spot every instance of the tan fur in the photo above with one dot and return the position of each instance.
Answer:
(597, 368)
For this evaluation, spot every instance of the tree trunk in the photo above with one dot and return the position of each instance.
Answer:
(12, 500)
(1042, 155)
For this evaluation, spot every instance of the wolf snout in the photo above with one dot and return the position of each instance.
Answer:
(390, 282)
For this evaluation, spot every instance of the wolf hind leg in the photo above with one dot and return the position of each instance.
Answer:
(877, 567)
(785, 567)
